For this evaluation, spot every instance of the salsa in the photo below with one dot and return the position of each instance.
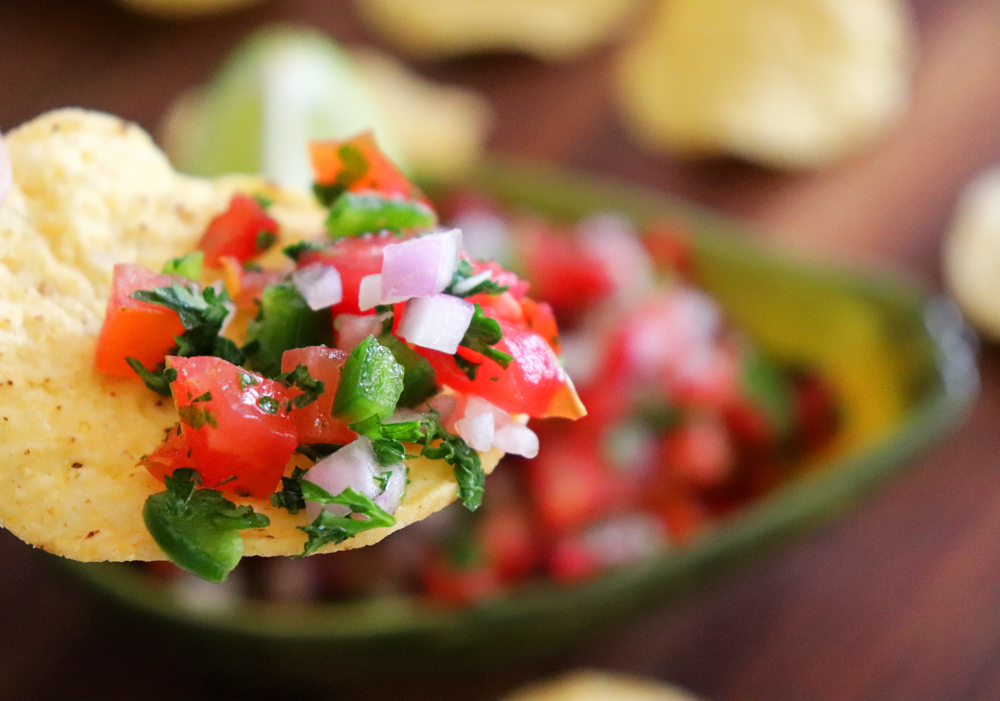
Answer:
(688, 419)
(380, 340)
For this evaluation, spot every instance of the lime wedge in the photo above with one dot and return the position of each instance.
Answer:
(281, 88)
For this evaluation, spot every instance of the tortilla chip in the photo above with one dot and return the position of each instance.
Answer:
(91, 190)
(592, 685)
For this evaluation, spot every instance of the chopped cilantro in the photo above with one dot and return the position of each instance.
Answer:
(328, 527)
(247, 380)
(158, 379)
(301, 379)
(465, 282)
(263, 200)
(265, 239)
(468, 467)
(296, 250)
(207, 397)
(290, 497)
(202, 316)
(482, 334)
(197, 416)
(269, 404)
(198, 529)
(355, 166)
(252, 267)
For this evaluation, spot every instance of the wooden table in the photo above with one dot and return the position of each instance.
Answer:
(899, 601)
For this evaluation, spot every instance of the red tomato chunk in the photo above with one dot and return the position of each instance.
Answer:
(314, 422)
(354, 258)
(133, 328)
(236, 232)
(235, 423)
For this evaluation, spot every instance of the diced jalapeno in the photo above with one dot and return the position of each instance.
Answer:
(371, 382)
(284, 321)
(354, 214)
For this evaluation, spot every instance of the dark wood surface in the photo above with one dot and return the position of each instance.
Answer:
(899, 601)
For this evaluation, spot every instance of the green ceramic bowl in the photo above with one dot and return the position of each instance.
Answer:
(901, 361)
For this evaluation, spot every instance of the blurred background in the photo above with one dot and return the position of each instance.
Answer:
(840, 132)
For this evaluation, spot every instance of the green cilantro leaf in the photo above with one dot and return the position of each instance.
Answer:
(265, 239)
(465, 282)
(202, 316)
(158, 379)
(296, 250)
(301, 379)
(290, 497)
(331, 528)
(198, 529)
(355, 166)
(483, 333)
(263, 200)
(467, 465)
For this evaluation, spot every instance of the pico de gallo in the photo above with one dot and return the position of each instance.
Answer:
(688, 421)
(379, 340)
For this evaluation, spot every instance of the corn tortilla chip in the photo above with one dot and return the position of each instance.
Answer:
(91, 190)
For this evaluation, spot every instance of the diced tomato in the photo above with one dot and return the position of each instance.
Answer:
(354, 257)
(133, 328)
(564, 274)
(236, 424)
(526, 386)
(516, 287)
(669, 246)
(682, 513)
(237, 231)
(816, 412)
(173, 453)
(358, 164)
(539, 317)
(245, 287)
(712, 381)
(568, 484)
(571, 561)
(453, 585)
(314, 422)
(502, 307)
(508, 541)
(699, 451)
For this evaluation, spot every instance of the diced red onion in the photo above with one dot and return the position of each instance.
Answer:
(395, 487)
(624, 539)
(370, 293)
(516, 439)
(476, 430)
(479, 423)
(485, 234)
(319, 284)
(421, 266)
(352, 329)
(671, 328)
(354, 465)
(437, 322)
(614, 240)
(469, 283)
(402, 415)
(6, 171)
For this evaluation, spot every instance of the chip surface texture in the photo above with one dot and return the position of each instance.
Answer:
(91, 190)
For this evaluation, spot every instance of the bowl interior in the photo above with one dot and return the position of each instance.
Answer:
(900, 361)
